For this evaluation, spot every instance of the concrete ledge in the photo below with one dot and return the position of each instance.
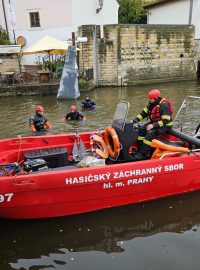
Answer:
(153, 81)
(28, 90)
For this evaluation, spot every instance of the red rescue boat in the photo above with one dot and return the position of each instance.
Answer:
(58, 175)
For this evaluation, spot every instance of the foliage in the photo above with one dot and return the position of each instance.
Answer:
(132, 11)
(38, 61)
(4, 38)
(82, 82)
(49, 65)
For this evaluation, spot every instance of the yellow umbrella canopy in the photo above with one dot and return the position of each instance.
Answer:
(47, 45)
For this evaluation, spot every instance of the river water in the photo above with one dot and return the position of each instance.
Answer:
(162, 234)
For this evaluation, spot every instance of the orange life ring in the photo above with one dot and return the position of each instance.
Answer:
(114, 146)
(101, 150)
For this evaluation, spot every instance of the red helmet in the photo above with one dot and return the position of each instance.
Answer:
(39, 109)
(73, 108)
(154, 93)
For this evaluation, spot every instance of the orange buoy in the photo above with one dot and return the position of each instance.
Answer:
(113, 145)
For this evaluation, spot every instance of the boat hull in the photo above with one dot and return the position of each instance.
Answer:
(63, 187)
(78, 190)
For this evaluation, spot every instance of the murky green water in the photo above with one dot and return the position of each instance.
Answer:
(162, 234)
(15, 112)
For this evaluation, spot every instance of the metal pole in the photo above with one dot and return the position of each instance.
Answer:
(4, 13)
(83, 59)
(190, 12)
(14, 37)
(13, 28)
(95, 54)
(73, 39)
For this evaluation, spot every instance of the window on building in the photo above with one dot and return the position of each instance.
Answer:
(35, 19)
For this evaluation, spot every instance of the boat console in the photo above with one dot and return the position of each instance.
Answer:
(127, 136)
(54, 156)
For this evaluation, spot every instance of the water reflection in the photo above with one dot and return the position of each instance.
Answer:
(52, 243)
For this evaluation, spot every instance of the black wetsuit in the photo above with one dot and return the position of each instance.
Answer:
(88, 104)
(74, 116)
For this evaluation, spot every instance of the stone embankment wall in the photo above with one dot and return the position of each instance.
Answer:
(28, 90)
(136, 54)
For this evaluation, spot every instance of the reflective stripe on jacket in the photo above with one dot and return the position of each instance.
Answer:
(160, 115)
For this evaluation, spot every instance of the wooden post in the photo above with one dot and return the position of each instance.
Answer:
(73, 39)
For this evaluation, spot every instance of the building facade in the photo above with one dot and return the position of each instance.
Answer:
(34, 19)
(175, 12)
(124, 55)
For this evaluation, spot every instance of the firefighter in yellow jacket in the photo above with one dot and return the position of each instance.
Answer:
(159, 113)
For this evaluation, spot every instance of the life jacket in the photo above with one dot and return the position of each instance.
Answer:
(155, 113)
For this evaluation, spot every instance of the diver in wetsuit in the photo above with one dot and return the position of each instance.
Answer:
(38, 122)
(73, 114)
(88, 103)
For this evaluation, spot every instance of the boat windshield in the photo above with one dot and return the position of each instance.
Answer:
(121, 114)
(188, 116)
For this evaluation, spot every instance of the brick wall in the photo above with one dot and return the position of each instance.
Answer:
(135, 54)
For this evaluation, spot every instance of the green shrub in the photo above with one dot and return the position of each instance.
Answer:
(82, 82)
(4, 38)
